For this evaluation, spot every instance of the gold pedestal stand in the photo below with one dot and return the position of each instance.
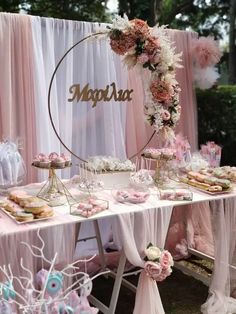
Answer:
(54, 190)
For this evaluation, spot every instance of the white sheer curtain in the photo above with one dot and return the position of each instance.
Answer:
(85, 130)
(223, 285)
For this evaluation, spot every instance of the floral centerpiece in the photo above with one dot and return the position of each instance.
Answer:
(158, 264)
(151, 50)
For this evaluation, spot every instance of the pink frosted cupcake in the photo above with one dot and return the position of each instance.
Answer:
(36, 161)
(58, 162)
(45, 162)
(67, 159)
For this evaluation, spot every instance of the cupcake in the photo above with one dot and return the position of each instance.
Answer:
(36, 161)
(155, 154)
(58, 162)
(53, 156)
(67, 159)
(147, 152)
(45, 162)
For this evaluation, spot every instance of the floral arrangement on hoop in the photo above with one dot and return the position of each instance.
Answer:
(158, 264)
(151, 50)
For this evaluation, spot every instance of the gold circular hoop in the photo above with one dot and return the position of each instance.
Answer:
(49, 103)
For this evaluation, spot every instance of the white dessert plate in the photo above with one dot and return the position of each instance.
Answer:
(23, 222)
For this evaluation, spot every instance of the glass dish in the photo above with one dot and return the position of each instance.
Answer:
(130, 195)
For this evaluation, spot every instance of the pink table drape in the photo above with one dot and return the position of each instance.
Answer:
(190, 226)
(136, 231)
(17, 101)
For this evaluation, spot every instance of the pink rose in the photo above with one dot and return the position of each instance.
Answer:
(166, 260)
(121, 43)
(165, 115)
(143, 58)
(161, 91)
(153, 270)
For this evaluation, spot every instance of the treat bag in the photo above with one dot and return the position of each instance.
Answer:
(6, 167)
(1, 175)
(20, 167)
(212, 153)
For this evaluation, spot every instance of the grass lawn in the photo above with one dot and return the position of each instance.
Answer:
(180, 294)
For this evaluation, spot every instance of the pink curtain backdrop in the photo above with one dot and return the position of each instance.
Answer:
(17, 113)
(137, 131)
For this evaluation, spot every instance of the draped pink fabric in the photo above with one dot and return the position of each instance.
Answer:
(223, 284)
(17, 110)
(140, 229)
(190, 226)
(137, 132)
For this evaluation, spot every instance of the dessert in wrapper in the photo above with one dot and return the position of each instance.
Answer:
(211, 152)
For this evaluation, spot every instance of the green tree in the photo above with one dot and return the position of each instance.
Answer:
(213, 17)
(83, 10)
(232, 46)
(10, 5)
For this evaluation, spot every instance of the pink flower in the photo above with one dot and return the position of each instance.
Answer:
(151, 45)
(206, 52)
(121, 43)
(143, 58)
(165, 115)
(153, 270)
(166, 260)
(140, 28)
(161, 91)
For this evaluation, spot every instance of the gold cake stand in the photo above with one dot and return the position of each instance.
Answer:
(54, 190)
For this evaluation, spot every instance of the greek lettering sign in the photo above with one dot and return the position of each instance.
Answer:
(95, 95)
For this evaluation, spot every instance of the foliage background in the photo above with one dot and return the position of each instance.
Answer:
(217, 119)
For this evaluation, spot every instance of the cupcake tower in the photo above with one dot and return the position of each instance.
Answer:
(54, 191)
(159, 153)
(53, 160)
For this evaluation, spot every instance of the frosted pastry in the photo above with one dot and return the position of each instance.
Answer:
(131, 196)
(58, 162)
(22, 216)
(35, 207)
(46, 212)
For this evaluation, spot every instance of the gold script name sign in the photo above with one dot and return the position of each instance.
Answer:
(95, 95)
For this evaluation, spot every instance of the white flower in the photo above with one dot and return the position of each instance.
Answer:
(153, 253)
(120, 23)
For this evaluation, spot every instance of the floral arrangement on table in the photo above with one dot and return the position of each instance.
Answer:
(158, 264)
(206, 54)
(151, 50)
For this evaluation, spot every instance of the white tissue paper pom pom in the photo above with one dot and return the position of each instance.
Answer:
(205, 78)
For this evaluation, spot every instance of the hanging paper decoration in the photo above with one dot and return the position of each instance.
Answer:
(206, 54)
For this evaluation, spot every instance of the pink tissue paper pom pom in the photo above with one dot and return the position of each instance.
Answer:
(206, 52)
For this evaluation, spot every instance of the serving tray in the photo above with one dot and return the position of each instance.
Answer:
(23, 222)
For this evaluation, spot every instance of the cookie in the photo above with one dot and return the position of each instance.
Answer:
(35, 207)
(47, 212)
(22, 216)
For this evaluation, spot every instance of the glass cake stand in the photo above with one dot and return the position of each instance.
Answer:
(54, 190)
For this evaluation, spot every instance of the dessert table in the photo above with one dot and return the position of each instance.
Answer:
(134, 226)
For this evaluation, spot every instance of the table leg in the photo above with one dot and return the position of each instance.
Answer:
(116, 289)
(100, 246)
